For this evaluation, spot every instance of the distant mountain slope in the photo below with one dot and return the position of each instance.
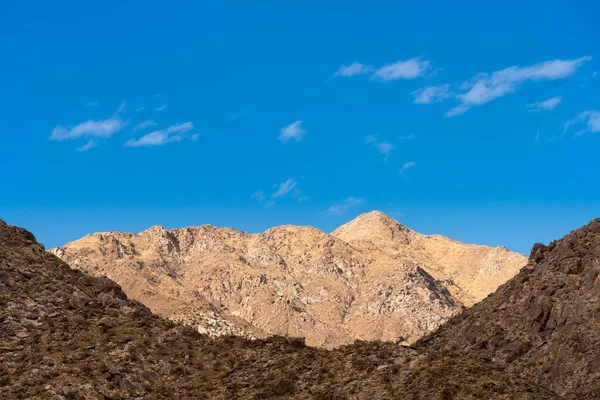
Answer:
(67, 335)
(544, 323)
(468, 271)
(371, 279)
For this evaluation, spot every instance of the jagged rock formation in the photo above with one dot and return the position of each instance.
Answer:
(544, 324)
(67, 335)
(371, 279)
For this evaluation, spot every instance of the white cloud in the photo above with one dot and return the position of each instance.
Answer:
(292, 131)
(289, 186)
(458, 110)
(591, 120)
(353, 69)
(407, 166)
(408, 69)
(284, 188)
(431, 94)
(90, 128)
(342, 207)
(142, 108)
(549, 104)
(194, 137)
(144, 124)
(92, 104)
(407, 137)
(160, 108)
(383, 147)
(483, 88)
(594, 74)
(160, 137)
(89, 145)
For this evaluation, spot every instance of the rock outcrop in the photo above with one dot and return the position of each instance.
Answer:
(371, 279)
(67, 335)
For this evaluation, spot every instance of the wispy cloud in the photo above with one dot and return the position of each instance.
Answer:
(297, 194)
(340, 208)
(194, 137)
(406, 166)
(408, 69)
(284, 188)
(292, 131)
(353, 69)
(173, 133)
(88, 146)
(383, 147)
(404, 69)
(91, 104)
(259, 196)
(144, 124)
(121, 107)
(431, 94)
(90, 128)
(407, 137)
(141, 108)
(458, 110)
(549, 104)
(590, 119)
(160, 108)
(483, 88)
(236, 115)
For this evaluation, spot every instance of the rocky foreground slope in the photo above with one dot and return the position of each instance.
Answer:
(67, 335)
(371, 279)
(544, 324)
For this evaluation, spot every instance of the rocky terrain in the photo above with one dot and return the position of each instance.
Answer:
(544, 324)
(371, 279)
(67, 335)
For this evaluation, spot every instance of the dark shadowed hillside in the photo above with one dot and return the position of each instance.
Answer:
(544, 324)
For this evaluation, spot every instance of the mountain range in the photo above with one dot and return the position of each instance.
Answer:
(370, 279)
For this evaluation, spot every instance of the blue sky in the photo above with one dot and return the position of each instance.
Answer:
(481, 122)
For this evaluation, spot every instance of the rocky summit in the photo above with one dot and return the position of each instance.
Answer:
(371, 279)
(67, 335)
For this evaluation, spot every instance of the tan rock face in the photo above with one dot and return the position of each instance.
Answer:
(469, 272)
(371, 279)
